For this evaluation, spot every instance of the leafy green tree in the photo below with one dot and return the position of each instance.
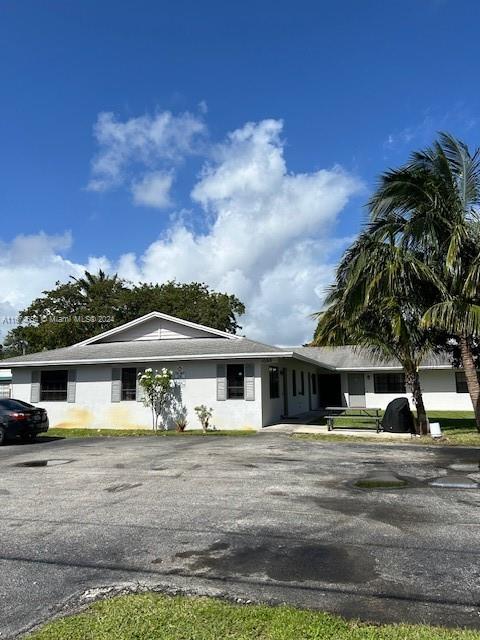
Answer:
(158, 390)
(76, 310)
(431, 207)
(193, 301)
(66, 314)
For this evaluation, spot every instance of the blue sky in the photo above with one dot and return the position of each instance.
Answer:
(335, 92)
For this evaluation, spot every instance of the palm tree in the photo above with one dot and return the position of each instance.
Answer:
(431, 207)
(366, 309)
(90, 283)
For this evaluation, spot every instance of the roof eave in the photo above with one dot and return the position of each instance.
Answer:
(158, 358)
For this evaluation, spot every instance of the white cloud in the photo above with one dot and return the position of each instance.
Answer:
(269, 238)
(153, 190)
(131, 150)
(268, 234)
(28, 265)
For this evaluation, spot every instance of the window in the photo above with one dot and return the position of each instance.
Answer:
(235, 384)
(314, 383)
(4, 390)
(461, 382)
(274, 382)
(389, 382)
(129, 384)
(302, 383)
(53, 386)
(294, 382)
(15, 405)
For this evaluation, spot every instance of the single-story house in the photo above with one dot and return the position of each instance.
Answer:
(247, 384)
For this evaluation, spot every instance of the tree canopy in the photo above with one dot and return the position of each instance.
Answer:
(75, 310)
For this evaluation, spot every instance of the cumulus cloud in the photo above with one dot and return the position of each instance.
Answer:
(153, 190)
(130, 150)
(28, 265)
(269, 237)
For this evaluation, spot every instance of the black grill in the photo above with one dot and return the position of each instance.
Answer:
(398, 417)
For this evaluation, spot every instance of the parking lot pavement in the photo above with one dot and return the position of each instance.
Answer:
(266, 518)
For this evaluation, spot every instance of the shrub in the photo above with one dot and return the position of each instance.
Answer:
(204, 415)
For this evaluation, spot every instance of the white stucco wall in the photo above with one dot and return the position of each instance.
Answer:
(273, 408)
(94, 409)
(438, 386)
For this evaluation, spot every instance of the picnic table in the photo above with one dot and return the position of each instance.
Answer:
(355, 413)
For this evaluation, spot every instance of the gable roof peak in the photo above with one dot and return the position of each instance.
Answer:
(160, 316)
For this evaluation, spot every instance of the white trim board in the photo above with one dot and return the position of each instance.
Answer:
(214, 356)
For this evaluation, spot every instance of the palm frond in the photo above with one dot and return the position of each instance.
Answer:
(456, 316)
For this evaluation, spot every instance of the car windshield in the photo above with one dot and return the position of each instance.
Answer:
(14, 405)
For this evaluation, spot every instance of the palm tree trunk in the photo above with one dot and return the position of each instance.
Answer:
(413, 381)
(471, 376)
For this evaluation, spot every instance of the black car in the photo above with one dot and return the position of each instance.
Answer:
(22, 420)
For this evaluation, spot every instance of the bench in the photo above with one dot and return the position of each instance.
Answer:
(355, 413)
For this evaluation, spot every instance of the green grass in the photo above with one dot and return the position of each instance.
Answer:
(152, 616)
(123, 433)
(458, 428)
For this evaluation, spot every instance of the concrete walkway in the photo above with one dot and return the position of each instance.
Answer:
(305, 427)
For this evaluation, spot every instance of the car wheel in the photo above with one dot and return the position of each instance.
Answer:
(2, 435)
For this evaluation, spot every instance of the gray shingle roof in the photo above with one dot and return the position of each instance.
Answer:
(351, 358)
(143, 351)
(146, 349)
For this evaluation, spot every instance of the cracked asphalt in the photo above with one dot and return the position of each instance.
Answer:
(266, 518)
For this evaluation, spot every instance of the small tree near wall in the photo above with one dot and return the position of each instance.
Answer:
(158, 389)
(204, 415)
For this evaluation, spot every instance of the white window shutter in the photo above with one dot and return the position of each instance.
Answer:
(116, 385)
(140, 390)
(71, 385)
(35, 387)
(249, 382)
(221, 382)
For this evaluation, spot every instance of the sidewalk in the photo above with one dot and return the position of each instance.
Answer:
(302, 424)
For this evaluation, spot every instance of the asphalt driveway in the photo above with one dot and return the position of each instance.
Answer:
(264, 518)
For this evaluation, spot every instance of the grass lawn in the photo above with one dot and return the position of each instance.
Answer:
(119, 433)
(157, 617)
(458, 428)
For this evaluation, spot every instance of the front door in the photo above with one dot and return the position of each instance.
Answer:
(356, 390)
(330, 390)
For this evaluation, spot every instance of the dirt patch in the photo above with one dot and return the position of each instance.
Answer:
(117, 488)
(368, 483)
(76, 418)
(386, 513)
(42, 463)
(219, 546)
(303, 563)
